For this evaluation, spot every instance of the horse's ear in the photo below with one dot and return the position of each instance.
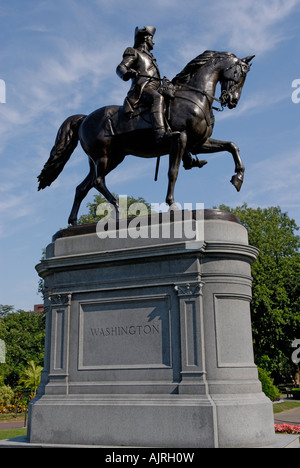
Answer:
(248, 59)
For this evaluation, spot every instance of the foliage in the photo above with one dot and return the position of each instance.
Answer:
(92, 216)
(31, 377)
(267, 384)
(6, 395)
(275, 306)
(5, 309)
(296, 393)
(13, 408)
(24, 335)
(16, 402)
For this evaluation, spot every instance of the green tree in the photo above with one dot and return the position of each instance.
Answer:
(92, 217)
(24, 335)
(6, 395)
(5, 309)
(268, 386)
(276, 285)
(31, 377)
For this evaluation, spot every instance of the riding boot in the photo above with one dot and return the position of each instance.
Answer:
(159, 128)
(189, 162)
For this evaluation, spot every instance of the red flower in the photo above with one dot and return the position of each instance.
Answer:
(287, 429)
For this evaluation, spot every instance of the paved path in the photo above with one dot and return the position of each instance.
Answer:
(11, 424)
(291, 416)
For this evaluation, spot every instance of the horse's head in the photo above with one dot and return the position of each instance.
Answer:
(232, 80)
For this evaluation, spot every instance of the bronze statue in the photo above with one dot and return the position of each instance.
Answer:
(110, 133)
(139, 64)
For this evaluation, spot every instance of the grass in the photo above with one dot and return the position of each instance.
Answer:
(8, 417)
(285, 406)
(12, 433)
(15, 432)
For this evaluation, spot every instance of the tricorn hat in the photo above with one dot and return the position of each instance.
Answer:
(146, 31)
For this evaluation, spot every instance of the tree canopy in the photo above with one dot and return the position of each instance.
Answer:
(23, 334)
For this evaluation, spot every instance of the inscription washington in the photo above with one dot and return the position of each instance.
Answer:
(127, 330)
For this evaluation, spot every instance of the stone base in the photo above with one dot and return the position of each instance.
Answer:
(148, 339)
(142, 421)
(154, 421)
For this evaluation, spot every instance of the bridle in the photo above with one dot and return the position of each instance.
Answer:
(225, 94)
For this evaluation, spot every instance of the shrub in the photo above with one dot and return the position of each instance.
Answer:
(296, 393)
(268, 386)
(6, 395)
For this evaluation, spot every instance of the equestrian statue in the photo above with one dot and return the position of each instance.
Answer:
(158, 117)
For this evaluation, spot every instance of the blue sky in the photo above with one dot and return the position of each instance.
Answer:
(59, 58)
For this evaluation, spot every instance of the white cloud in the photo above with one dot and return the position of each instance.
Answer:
(244, 28)
(253, 26)
(274, 181)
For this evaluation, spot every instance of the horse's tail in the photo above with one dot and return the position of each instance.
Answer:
(65, 143)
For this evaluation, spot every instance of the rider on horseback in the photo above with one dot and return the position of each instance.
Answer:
(139, 64)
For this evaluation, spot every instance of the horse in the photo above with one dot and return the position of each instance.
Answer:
(108, 134)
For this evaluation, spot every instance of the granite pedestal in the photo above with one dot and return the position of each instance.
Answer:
(148, 339)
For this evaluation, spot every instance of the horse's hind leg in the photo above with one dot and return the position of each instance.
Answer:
(81, 192)
(104, 166)
(101, 187)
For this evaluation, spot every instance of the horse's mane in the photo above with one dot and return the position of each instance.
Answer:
(201, 60)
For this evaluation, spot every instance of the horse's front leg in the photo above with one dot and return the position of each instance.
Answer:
(178, 146)
(215, 146)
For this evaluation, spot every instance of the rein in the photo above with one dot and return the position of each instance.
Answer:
(207, 95)
(192, 88)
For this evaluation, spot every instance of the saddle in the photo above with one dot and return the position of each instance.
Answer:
(126, 119)
(119, 121)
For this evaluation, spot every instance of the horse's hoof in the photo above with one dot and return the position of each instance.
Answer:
(173, 207)
(72, 222)
(237, 181)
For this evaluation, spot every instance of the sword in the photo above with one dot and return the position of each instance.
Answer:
(157, 167)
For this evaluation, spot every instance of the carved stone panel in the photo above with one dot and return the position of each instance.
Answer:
(125, 333)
